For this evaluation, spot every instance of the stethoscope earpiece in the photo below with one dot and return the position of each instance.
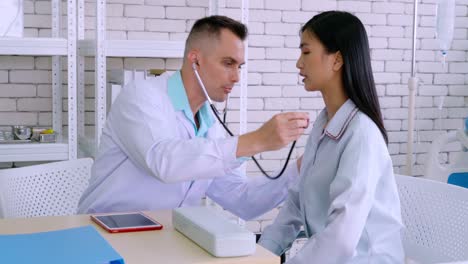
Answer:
(200, 82)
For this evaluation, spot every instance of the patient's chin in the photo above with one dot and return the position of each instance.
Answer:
(310, 88)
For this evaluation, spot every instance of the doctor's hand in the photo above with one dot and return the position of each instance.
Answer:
(299, 162)
(276, 133)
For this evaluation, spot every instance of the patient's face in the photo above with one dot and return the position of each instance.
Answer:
(314, 64)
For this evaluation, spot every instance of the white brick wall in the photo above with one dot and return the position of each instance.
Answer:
(388, 7)
(282, 29)
(17, 62)
(266, 41)
(165, 25)
(273, 50)
(283, 5)
(28, 76)
(265, 65)
(163, 2)
(143, 63)
(18, 118)
(292, 42)
(34, 104)
(3, 76)
(355, 6)
(185, 12)
(449, 78)
(281, 53)
(144, 11)
(7, 104)
(25, 81)
(17, 90)
(280, 78)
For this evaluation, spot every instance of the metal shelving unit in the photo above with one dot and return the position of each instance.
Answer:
(65, 147)
(135, 48)
(33, 46)
(75, 47)
(33, 152)
(102, 48)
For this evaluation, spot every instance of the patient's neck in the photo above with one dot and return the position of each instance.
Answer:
(334, 97)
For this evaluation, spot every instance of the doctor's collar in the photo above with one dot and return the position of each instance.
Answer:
(179, 100)
(176, 92)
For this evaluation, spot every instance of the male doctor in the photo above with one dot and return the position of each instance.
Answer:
(162, 147)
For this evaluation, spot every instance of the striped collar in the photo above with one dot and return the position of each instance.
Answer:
(340, 121)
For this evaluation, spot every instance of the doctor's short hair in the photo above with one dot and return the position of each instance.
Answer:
(211, 26)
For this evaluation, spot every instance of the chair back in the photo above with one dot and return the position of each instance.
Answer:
(436, 218)
(44, 190)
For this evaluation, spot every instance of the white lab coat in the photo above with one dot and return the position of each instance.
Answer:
(346, 200)
(150, 159)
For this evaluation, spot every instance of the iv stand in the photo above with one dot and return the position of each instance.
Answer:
(412, 87)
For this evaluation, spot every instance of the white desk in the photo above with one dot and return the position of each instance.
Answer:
(159, 246)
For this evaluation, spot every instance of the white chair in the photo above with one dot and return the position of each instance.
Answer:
(436, 218)
(43, 190)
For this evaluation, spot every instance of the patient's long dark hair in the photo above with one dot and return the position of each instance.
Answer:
(344, 32)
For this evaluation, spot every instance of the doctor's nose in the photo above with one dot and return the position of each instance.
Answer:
(235, 76)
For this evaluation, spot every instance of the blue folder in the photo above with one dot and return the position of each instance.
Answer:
(75, 245)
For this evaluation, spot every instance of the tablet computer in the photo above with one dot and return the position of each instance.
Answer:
(126, 222)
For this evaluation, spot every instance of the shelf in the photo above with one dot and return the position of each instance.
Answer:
(33, 152)
(135, 48)
(53, 46)
(33, 46)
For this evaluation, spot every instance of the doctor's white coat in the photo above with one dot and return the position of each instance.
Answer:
(150, 158)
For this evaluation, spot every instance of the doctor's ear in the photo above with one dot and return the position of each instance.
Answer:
(193, 57)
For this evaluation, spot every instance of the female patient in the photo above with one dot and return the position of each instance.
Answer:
(346, 199)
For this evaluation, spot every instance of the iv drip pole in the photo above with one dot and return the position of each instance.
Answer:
(412, 87)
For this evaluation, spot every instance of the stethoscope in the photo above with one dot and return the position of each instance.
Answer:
(223, 123)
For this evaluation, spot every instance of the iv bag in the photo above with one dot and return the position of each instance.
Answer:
(11, 18)
(445, 25)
